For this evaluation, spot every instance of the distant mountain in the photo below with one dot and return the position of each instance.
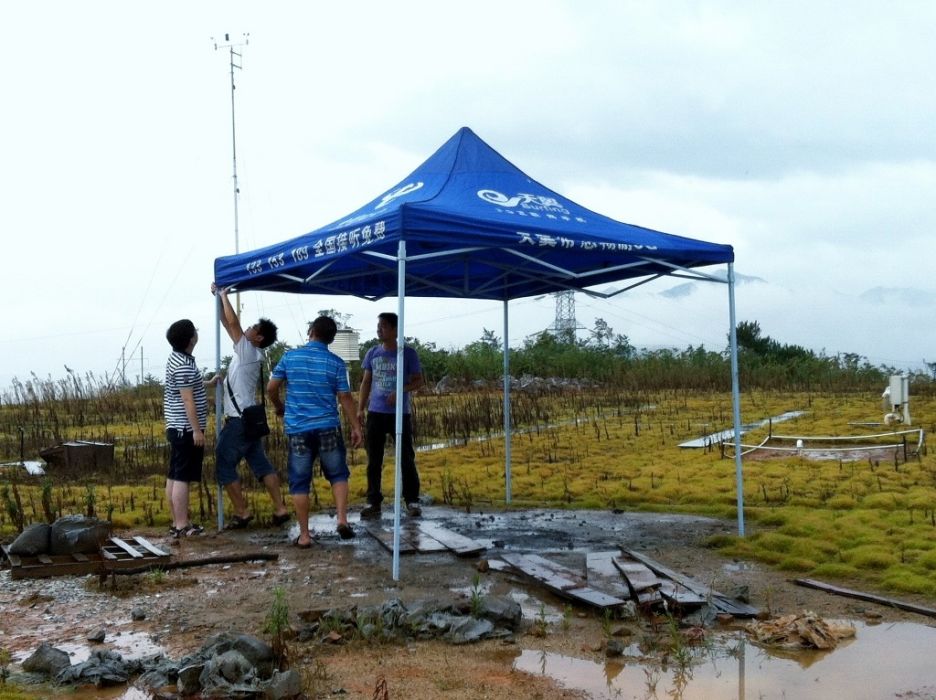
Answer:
(687, 288)
(898, 295)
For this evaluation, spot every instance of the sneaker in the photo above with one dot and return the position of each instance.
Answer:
(413, 510)
(370, 511)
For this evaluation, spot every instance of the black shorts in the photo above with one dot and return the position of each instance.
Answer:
(185, 459)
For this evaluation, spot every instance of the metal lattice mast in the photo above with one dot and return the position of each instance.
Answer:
(565, 324)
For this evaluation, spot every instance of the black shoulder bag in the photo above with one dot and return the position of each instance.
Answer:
(253, 418)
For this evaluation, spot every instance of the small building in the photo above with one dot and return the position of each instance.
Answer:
(79, 456)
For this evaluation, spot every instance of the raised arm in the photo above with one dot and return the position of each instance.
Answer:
(228, 316)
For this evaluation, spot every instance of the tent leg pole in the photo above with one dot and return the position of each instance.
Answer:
(398, 442)
(735, 399)
(507, 476)
(219, 405)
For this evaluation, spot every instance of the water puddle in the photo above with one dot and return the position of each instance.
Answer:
(888, 660)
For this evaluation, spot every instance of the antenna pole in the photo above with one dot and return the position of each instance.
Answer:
(234, 62)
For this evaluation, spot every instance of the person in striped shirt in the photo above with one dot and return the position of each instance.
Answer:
(316, 382)
(185, 407)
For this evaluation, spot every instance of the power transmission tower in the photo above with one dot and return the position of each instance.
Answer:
(565, 325)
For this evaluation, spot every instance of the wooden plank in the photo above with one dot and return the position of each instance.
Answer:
(638, 576)
(78, 556)
(107, 555)
(719, 600)
(532, 565)
(601, 573)
(385, 537)
(461, 545)
(149, 547)
(44, 559)
(560, 580)
(643, 585)
(132, 551)
(860, 595)
(680, 595)
(424, 543)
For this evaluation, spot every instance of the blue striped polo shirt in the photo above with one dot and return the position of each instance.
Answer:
(314, 376)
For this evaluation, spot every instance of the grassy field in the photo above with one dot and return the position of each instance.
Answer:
(871, 520)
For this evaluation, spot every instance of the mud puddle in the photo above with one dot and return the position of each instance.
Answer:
(886, 660)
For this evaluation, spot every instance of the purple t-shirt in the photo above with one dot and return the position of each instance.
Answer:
(382, 364)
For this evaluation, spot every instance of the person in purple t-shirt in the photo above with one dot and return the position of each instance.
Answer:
(378, 394)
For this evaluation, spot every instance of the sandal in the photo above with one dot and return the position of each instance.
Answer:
(189, 530)
(307, 545)
(345, 532)
(280, 519)
(238, 523)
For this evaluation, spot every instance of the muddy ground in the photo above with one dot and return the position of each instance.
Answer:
(190, 605)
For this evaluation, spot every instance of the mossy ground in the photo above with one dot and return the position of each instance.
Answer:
(869, 520)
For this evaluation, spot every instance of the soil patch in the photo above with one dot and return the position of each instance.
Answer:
(186, 606)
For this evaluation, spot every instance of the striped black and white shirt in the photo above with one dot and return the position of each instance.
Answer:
(182, 373)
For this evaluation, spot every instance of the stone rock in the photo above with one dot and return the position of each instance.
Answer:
(104, 667)
(468, 629)
(232, 666)
(614, 648)
(137, 614)
(97, 637)
(502, 611)
(257, 652)
(48, 660)
(76, 534)
(287, 684)
(34, 540)
(189, 682)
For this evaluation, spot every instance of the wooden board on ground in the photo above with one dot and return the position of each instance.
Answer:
(114, 554)
(603, 575)
(462, 546)
(385, 537)
(560, 580)
(720, 601)
(861, 595)
(643, 584)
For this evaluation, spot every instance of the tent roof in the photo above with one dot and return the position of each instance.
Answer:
(475, 226)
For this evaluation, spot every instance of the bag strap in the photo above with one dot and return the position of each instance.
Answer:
(227, 380)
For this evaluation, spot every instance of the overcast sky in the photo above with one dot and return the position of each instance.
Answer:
(801, 133)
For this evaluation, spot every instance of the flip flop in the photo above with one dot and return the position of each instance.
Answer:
(238, 523)
(280, 519)
(307, 545)
(345, 532)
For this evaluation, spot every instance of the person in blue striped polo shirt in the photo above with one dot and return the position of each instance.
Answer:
(316, 382)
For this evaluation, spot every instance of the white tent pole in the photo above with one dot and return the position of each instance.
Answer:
(398, 442)
(735, 399)
(507, 478)
(219, 403)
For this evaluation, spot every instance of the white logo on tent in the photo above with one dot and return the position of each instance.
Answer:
(524, 200)
(405, 190)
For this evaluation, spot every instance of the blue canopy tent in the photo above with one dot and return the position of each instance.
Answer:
(468, 223)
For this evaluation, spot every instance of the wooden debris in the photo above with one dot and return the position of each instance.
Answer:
(462, 546)
(560, 580)
(423, 537)
(113, 555)
(190, 563)
(869, 597)
(643, 585)
(601, 573)
(800, 631)
(719, 601)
